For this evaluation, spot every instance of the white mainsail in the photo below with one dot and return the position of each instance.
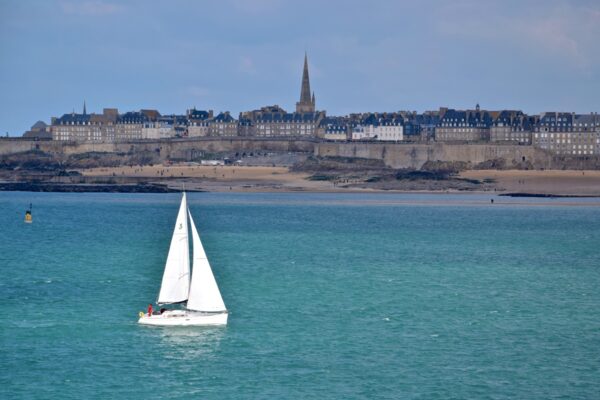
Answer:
(176, 278)
(204, 292)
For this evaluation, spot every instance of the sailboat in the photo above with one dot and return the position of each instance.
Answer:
(200, 295)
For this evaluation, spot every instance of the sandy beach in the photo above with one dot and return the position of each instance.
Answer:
(266, 179)
(578, 183)
(219, 178)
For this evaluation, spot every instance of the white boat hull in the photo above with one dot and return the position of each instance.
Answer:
(184, 318)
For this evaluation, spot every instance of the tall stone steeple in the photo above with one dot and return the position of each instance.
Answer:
(84, 110)
(306, 104)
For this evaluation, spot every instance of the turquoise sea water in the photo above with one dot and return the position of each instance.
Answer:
(331, 296)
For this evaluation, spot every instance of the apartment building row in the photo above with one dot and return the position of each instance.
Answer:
(558, 132)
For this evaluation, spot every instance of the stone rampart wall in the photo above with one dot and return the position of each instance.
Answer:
(396, 155)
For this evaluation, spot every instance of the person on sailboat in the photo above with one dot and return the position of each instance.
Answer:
(149, 310)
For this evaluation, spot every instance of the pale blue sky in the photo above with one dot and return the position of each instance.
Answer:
(240, 55)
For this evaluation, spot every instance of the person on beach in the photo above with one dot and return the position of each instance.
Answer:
(149, 310)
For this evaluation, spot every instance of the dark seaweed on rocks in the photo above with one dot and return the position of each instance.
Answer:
(51, 187)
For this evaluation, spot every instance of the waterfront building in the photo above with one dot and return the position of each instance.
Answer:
(513, 127)
(379, 127)
(199, 122)
(85, 127)
(107, 122)
(129, 126)
(223, 125)
(165, 127)
(334, 128)
(39, 131)
(412, 127)
(363, 132)
(246, 126)
(179, 124)
(420, 127)
(568, 133)
(155, 130)
(75, 127)
(273, 121)
(463, 126)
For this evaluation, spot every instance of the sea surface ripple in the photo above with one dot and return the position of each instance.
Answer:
(331, 296)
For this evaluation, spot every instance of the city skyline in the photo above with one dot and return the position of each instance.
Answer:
(421, 56)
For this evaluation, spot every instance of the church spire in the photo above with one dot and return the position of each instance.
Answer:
(84, 111)
(305, 92)
(305, 104)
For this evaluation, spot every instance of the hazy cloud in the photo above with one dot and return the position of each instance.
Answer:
(561, 31)
(246, 65)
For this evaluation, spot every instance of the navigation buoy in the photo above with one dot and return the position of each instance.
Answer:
(28, 218)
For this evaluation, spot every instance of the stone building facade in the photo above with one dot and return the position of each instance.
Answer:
(334, 128)
(379, 127)
(568, 133)
(85, 127)
(512, 127)
(463, 126)
(223, 125)
(129, 126)
(420, 127)
(38, 131)
(274, 121)
(199, 122)
(165, 127)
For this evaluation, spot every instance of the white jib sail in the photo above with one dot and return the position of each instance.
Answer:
(204, 292)
(176, 279)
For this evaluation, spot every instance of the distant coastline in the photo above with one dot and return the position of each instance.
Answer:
(293, 166)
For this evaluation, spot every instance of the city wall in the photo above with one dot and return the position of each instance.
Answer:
(396, 155)
(182, 149)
